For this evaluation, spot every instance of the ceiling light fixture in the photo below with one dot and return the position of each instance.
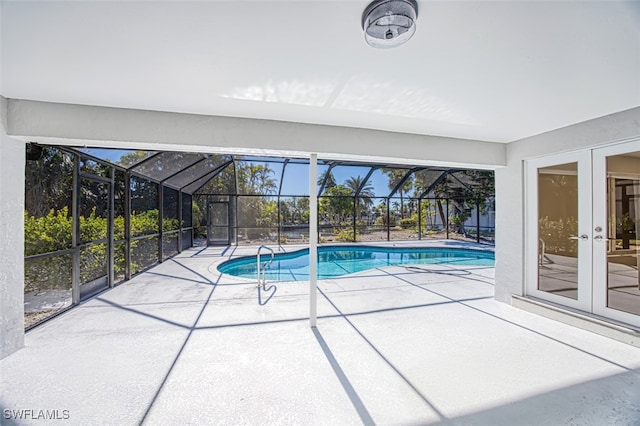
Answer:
(389, 23)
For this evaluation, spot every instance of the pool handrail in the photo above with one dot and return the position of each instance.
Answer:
(262, 269)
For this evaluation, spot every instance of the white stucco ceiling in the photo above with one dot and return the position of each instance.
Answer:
(495, 71)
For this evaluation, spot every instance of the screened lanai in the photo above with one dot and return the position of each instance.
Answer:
(95, 217)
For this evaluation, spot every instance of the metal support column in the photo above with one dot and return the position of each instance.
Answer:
(208, 218)
(388, 221)
(446, 218)
(75, 232)
(235, 217)
(110, 243)
(179, 221)
(313, 241)
(160, 220)
(478, 221)
(278, 240)
(419, 219)
(284, 166)
(235, 204)
(355, 213)
(127, 225)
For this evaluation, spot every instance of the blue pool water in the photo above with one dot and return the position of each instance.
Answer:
(335, 261)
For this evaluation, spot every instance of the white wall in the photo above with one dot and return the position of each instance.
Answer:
(12, 160)
(510, 191)
(1, 38)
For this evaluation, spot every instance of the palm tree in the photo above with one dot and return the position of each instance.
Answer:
(425, 179)
(366, 190)
(331, 180)
(366, 194)
(395, 177)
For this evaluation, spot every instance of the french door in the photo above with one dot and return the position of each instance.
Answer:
(583, 230)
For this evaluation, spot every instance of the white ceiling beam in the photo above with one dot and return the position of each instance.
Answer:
(68, 124)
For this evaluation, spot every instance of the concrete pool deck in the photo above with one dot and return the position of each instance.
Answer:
(180, 344)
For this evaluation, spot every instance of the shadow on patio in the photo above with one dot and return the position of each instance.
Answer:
(182, 344)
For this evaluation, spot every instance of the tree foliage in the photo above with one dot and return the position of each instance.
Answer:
(134, 157)
(336, 205)
(327, 178)
(48, 182)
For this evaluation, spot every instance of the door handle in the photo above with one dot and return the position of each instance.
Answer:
(581, 237)
(600, 238)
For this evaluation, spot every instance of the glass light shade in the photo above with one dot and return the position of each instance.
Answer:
(389, 23)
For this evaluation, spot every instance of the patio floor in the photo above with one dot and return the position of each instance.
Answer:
(180, 344)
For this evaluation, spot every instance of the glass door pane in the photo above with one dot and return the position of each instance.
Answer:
(558, 229)
(617, 229)
(622, 260)
(558, 232)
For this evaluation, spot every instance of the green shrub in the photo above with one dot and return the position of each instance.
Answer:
(145, 223)
(457, 219)
(47, 233)
(345, 235)
(411, 222)
(53, 232)
(382, 221)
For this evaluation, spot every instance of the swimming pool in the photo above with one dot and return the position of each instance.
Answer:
(336, 261)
